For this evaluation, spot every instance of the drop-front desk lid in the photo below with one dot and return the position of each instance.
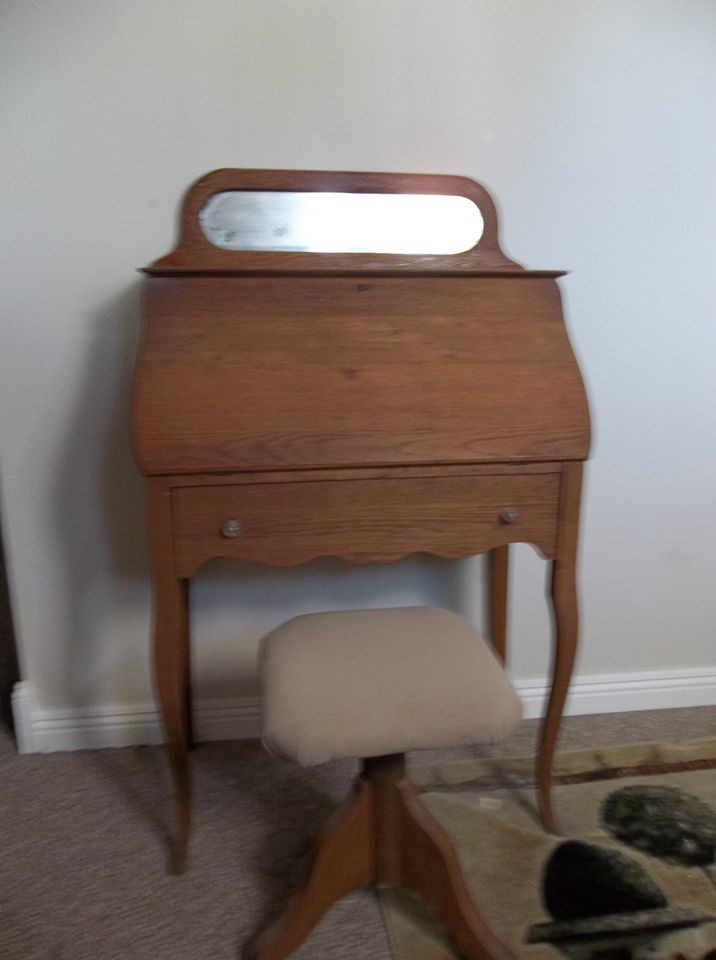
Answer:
(276, 338)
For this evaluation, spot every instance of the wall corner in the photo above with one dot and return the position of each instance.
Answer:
(23, 703)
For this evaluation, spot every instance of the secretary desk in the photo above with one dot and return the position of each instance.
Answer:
(347, 365)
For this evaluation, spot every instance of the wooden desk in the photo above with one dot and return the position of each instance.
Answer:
(295, 404)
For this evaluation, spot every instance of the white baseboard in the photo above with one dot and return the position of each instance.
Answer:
(44, 731)
(623, 692)
(91, 728)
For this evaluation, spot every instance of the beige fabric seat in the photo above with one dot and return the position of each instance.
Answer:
(374, 684)
(365, 683)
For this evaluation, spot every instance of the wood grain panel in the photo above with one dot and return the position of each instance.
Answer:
(258, 373)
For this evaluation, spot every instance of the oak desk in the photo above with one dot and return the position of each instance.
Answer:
(295, 403)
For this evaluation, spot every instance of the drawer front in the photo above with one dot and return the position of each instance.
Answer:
(365, 520)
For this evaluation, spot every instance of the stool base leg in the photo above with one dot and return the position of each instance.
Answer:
(430, 869)
(382, 834)
(342, 861)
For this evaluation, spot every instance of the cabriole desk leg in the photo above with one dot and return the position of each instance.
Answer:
(566, 623)
(565, 647)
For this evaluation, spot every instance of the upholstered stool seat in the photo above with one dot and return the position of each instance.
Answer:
(362, 683)
(374, 684)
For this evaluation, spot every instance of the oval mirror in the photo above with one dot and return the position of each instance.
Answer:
(324, 222)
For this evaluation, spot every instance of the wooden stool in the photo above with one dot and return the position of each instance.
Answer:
(375, 684)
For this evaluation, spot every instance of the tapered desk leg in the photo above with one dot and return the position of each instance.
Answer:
(185, 640)
(566, 624)
(499, 572)
(172, 673)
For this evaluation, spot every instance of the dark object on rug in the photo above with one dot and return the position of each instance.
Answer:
(594, 891)
(586, 880)
(664, 822)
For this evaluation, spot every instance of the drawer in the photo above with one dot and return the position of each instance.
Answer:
(364, 520)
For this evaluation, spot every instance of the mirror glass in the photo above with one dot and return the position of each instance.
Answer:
(341, 222)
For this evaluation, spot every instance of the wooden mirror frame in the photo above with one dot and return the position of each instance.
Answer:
(195, 254)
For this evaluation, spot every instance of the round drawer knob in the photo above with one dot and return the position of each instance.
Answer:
(510, 515)
(230, 529)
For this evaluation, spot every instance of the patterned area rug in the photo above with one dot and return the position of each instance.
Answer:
(633, 877)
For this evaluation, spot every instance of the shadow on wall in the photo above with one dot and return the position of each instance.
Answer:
(100, 511)
(9, 667)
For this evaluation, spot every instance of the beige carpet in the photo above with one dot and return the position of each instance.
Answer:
(83, 845)
(504, 854)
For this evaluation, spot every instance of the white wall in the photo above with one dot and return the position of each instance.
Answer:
(593, 123)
